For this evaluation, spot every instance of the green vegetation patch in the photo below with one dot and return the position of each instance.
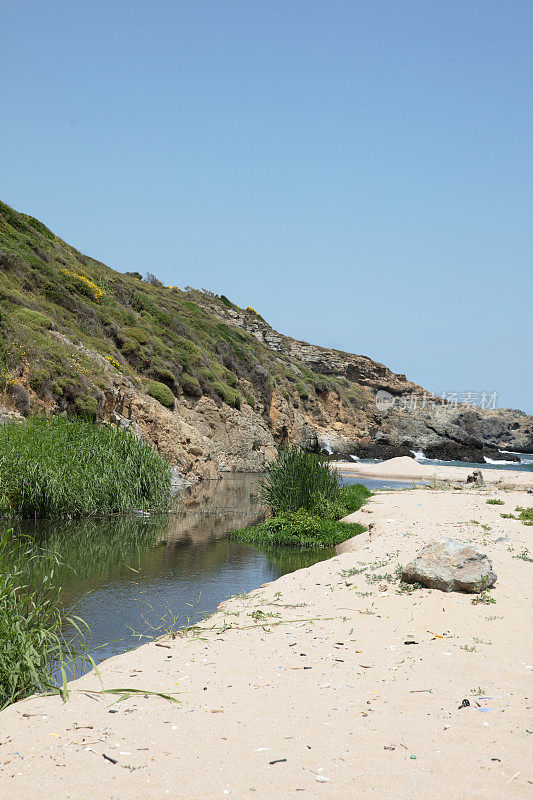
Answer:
(298, 529)
(229, 395)
(31, 626)
(307, 498)
(161, 393)
(300, 480)
(62, 467)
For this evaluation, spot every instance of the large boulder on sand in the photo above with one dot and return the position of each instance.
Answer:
(451, 567)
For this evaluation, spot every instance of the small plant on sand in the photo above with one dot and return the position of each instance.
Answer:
(408, 588)
(525, 515)
(479, 691)
(470, 648)
(495, 502)
(484, 597)
(524, 556)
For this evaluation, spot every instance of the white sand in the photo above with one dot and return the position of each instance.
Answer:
(356, 719)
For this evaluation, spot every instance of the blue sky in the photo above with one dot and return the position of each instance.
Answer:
(358, 172)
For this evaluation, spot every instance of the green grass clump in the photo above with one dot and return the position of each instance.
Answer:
(190, 385)
(297, 479)
(298, 529)
(63, 467)
(228, 395)
(87, 406)
(161, 393)
(495, 502)
(306, 497)
(525, 515)
(32, 318)
(33, 646)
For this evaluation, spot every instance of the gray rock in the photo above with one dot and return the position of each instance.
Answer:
(177, 483)
(476, 477)
(451, 567)
(125, 424)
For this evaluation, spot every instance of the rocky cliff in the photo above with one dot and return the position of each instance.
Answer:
(209, 384)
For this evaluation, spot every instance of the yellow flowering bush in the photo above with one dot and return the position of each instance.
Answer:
(94, 290)
(114, 363)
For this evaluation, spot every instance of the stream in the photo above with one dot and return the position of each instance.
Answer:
(132, 577)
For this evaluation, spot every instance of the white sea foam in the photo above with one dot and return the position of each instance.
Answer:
(418, 454)
(325, 445)
(497, 462)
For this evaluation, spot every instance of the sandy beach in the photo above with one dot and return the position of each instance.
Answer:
(408, 469)
(327, 683)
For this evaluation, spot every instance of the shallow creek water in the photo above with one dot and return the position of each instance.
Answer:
(129, 577)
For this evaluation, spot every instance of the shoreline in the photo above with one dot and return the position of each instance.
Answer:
(407, 469)
(306, 685)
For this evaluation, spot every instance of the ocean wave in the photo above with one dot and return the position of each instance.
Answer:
(497, 462)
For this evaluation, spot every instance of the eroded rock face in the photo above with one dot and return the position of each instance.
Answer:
(450, 566)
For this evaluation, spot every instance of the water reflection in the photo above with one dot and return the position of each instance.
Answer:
(129, 576)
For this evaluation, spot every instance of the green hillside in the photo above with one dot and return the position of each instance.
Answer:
(54, 302)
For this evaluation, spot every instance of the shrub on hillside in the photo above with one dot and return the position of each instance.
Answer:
(190, 385)
(86, 406)
(228, 395)
(161, 392)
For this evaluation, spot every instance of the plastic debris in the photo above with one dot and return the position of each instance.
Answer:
(464, 704)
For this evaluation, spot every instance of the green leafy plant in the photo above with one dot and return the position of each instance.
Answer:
(524, 556)
(61, 467)
(495, 502)
(298, 529)
(483, 598)
(33, 648)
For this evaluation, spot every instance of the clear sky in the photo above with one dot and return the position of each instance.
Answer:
(360, 171)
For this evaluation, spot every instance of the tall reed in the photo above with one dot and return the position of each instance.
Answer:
(33, 649)
(299, 480)
(63, 467)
